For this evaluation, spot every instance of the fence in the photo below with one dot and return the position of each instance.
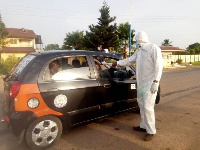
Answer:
(186, 58)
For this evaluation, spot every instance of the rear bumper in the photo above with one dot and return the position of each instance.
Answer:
(18, 121)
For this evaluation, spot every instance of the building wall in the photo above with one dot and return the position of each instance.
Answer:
(19, 42)
(6, 55)
(167, 58)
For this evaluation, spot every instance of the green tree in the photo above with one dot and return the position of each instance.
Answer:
(52, 47)
(7, 65)
(166, 43)
(191, 51)
(74, 40)
(123, 34)
(3, 35)
(104, 33)
(194, 48)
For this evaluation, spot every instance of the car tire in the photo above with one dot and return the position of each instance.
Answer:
(158, 96)
(136, 111)
(43, 132)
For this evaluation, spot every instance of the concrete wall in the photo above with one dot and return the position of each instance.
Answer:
(186, 58)
(169, 58)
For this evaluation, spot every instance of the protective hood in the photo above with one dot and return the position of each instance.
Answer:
(142, 37)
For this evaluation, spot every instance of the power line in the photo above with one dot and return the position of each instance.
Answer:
(135, 19)
(59, 13)
(36, 9)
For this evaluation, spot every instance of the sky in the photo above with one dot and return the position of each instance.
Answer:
(176, 20)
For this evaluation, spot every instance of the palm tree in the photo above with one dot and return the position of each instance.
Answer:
(166, 43)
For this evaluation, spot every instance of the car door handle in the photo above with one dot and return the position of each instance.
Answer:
(53, 90)
(106, 86)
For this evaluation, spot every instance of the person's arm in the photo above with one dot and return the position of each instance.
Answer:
(158, 63)
(126, 62)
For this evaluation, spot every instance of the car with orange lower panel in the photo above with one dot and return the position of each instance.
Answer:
(48, 92)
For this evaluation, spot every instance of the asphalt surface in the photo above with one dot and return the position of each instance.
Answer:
(177, 122)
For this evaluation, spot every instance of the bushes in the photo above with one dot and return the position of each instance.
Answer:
(8, 64)
(179, 61)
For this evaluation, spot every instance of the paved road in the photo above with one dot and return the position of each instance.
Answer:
(177, 122)
(178, 82)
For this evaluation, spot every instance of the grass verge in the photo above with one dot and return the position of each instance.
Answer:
(196, 63)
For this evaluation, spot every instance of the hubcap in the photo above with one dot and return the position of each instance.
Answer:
(44, 132)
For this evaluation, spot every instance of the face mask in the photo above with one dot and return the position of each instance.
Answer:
(137, 45)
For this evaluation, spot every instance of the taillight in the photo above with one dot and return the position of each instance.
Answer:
(14, 89)
(6, 118)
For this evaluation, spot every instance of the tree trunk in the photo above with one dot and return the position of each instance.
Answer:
(125, 53)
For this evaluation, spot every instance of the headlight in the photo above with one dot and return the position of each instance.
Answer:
(33, 103)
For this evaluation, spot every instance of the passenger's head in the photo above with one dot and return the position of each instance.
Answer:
(76, 63)
(54, 67)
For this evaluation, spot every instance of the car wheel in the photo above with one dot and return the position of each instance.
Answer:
(158, 96)
(137, 110)
(43, 132)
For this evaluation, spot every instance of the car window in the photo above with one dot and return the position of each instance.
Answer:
(68, 68)
(24, 62)
(72, 74)
(105, 71)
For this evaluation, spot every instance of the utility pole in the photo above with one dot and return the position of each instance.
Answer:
(130, 32)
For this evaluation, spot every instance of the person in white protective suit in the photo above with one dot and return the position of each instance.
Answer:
(149, 65)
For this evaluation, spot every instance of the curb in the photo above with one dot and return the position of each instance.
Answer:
(179, 67)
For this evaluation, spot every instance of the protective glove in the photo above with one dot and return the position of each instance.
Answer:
(106, 64)
(154, 88)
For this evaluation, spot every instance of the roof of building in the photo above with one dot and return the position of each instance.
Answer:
(18, 49)
(170, 48)
(21, 33)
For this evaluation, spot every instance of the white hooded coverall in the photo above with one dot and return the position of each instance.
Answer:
(149, 65)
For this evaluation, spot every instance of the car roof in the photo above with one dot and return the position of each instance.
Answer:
(73, 52)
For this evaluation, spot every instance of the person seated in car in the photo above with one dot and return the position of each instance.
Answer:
(98, 66)
(54, 67)
(76, 63)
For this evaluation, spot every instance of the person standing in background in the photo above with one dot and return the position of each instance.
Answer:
(100, 48)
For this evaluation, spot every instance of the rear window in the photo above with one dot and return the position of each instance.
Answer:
(23, 63)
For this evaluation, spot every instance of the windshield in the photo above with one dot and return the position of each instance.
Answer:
(19, 67)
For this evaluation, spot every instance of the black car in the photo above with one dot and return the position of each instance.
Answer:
(50, 91)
